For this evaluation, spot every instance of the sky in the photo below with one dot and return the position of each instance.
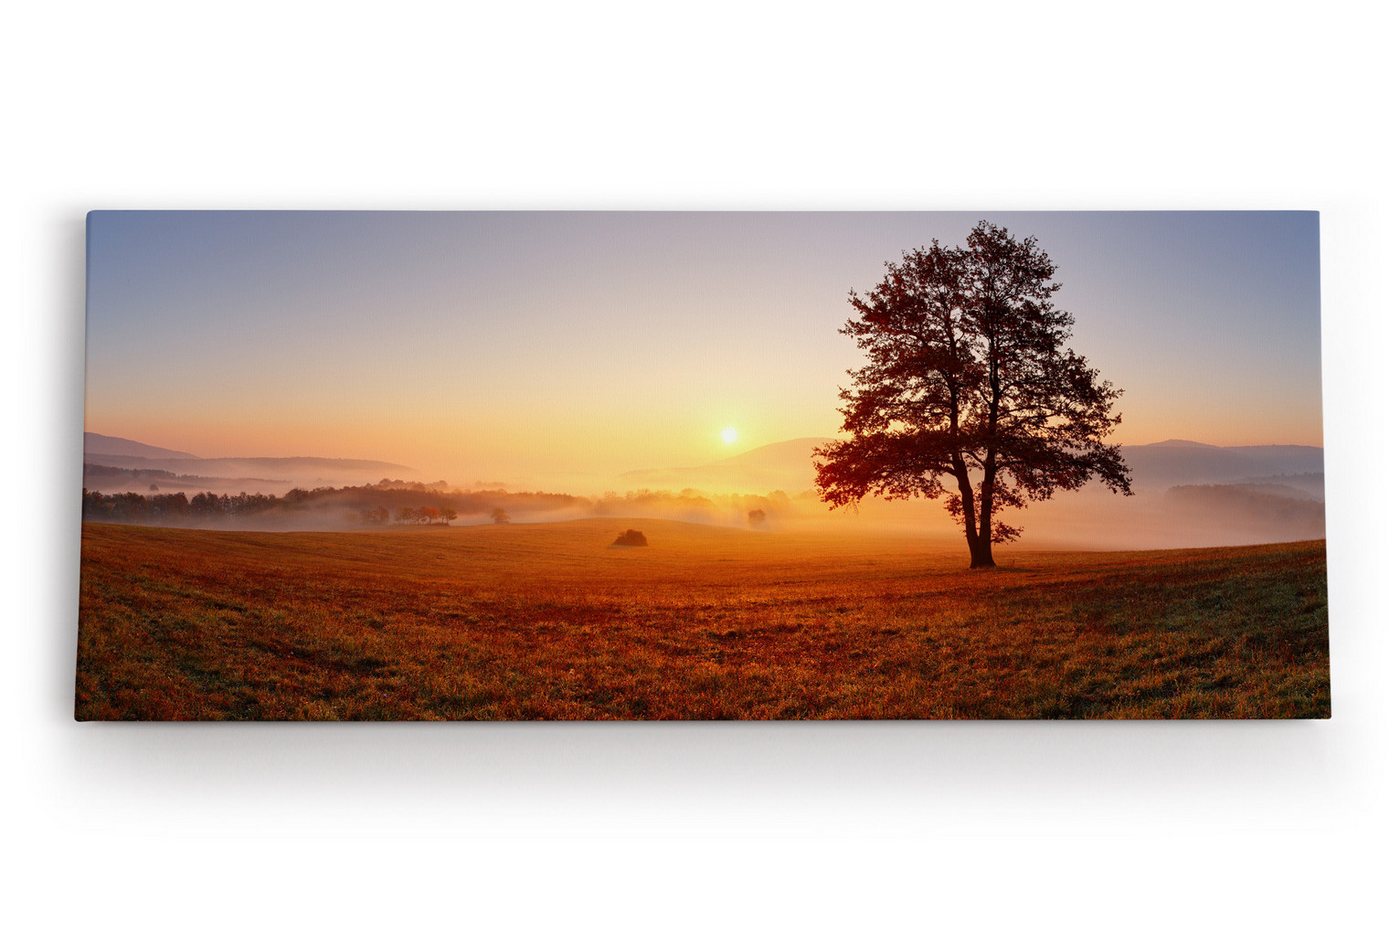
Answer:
(534, 347)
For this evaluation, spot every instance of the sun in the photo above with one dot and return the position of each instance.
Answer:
(729, 435)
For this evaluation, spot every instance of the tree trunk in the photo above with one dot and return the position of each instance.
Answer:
(970, 514)
(981, 555)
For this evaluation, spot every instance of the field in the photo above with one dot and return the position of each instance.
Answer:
(549, 621)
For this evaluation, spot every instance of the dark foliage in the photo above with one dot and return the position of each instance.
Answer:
(630, 538)
(370, 505)
(968, 370)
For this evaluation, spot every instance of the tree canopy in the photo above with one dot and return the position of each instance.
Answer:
(968, 370)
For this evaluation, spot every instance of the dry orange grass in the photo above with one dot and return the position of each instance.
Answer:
(547, 621)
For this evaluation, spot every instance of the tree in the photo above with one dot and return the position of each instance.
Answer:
(968, 369)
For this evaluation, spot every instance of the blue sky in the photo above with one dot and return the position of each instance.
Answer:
(525, 344)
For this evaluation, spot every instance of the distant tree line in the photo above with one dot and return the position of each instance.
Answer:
(369, 505)
(132, 474)
(380, 516)
(389, 503)
(132, 507)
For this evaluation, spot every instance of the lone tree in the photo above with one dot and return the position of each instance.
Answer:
(968, 370)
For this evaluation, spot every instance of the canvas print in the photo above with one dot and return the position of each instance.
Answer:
(702, 465)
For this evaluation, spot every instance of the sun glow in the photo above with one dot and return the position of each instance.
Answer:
(729, 435)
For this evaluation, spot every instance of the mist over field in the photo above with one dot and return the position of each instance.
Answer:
(1187, 495)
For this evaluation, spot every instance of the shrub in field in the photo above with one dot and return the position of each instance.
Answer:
(630, 538)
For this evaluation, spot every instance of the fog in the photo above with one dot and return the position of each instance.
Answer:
(1186, 495)
(1181, 516)
(1176, 517)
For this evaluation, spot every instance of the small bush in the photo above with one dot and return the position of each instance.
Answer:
(630, 538)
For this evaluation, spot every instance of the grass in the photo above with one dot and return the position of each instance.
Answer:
(548, 621)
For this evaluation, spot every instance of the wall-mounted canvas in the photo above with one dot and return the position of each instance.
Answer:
(702, 465)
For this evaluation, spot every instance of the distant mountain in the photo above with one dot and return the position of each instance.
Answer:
(781, 466)
(1165, 465)
(787, 466)
(95, 443)
(1177, 443)
(108, 478)
(252, 467)
(767, 453)
(258, 472)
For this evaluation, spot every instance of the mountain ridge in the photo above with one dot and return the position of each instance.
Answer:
(787, 465)
(95, 443)
(262, 473)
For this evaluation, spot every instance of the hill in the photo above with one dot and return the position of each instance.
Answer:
(108, 478)
(1175, 463)
(97, 444)
(224, 467)
(253, 474)
(787, 466)
(780, 466)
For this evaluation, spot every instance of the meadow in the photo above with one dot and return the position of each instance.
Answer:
(548, 621)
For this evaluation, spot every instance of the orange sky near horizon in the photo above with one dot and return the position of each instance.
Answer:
(539, 348)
